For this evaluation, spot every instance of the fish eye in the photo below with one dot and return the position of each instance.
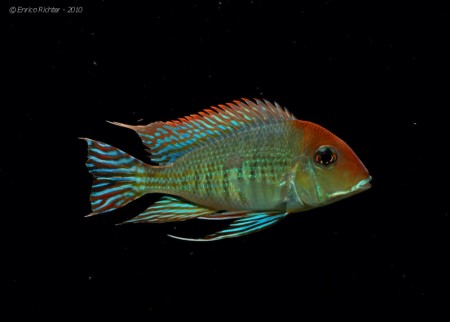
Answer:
(325, 155)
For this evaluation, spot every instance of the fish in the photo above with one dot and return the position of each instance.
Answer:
(251, 162)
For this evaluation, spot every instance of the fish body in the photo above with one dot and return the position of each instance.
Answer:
(251, 171)
(253, 162)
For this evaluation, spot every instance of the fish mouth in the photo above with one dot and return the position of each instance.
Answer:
(361, 186)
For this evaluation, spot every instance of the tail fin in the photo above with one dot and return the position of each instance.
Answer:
(118, 177)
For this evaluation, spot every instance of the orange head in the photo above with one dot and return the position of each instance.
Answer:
(328, 169)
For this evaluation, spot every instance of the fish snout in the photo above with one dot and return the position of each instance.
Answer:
(362, 185)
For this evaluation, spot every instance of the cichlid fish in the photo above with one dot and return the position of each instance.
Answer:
(252, 162)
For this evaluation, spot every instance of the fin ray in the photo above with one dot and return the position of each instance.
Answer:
(169, 209)
(243, 226)
(167, 141)
(117, 177)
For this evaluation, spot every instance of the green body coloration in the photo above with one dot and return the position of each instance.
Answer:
(249, 161)
(249, 171)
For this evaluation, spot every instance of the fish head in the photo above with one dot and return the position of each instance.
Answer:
(329, 170)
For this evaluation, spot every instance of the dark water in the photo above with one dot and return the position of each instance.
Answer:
(374, 73)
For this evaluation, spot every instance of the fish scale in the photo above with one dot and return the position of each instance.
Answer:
(206, 177)
(249, 161)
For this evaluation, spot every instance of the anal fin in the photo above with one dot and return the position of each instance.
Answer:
(251, 223)
(169, 209)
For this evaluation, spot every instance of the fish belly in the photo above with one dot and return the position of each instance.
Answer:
(249, 171)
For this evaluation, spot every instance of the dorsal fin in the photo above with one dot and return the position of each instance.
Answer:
(167, 141)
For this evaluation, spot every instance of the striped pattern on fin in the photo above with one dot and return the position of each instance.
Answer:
(246, 225)
(118, 177)
(167, 141)
(169, 209)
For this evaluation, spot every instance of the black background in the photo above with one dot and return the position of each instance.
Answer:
(375, 73)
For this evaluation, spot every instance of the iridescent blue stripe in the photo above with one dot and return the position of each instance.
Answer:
(121, 160)
(111, 170)
(102, 152)
(107, 203)
(110, 190)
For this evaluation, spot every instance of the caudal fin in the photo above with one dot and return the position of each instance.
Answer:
(118, 177)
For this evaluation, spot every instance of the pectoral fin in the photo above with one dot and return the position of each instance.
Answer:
(251, 223)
